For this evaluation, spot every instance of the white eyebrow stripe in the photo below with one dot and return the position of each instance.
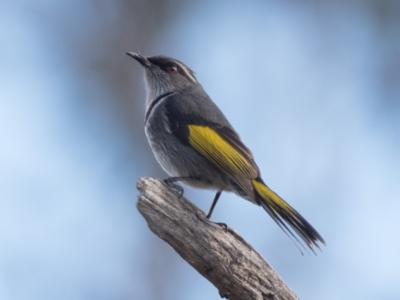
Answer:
(187, 72)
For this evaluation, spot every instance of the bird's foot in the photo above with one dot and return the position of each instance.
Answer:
(176, 187)
(223, 225)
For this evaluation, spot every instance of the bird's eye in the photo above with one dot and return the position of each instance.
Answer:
(172, 69)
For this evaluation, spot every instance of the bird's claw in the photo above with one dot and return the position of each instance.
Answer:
(223, 225)
(176, 187)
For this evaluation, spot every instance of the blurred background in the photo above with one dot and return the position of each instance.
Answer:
(313, 87)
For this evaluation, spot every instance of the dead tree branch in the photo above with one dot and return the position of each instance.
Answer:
(221, 256)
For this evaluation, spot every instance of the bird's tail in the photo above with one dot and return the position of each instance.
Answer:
(283, 214)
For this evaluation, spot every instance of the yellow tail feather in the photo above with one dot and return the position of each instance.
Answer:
(282, 213)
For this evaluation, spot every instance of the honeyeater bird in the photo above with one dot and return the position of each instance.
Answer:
(196, 145)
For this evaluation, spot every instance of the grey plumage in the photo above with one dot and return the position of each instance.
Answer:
(177, 159)
(195, 144)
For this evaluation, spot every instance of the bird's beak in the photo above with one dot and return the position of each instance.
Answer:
(141, 59)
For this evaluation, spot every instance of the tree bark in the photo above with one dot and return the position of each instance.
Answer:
(221, 255)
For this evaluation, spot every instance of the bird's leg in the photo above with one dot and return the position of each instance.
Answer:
(213, 204)
(212, 209)
(170, 182)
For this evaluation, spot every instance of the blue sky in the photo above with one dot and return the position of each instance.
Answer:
(301, 83)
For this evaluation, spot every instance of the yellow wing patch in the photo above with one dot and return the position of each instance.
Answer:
(218, 151)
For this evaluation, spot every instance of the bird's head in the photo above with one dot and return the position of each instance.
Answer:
(164, 74)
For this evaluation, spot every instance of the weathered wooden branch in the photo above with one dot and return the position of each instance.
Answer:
(221, 256)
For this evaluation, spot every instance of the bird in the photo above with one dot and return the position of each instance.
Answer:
(196, 145)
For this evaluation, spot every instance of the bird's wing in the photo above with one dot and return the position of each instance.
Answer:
(220, 144)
